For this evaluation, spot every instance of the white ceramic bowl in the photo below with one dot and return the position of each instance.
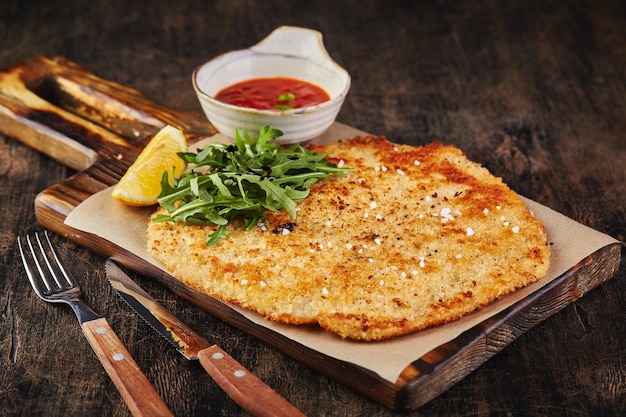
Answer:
(290, 52)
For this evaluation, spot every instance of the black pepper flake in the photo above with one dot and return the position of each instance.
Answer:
(285, 226)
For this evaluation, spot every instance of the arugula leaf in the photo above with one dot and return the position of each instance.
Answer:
(245, 179)
(220, 233)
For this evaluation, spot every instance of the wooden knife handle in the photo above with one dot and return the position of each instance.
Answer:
(252, 394)
(136, 390)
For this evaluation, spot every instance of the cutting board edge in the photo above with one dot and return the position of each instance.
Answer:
(499, 331)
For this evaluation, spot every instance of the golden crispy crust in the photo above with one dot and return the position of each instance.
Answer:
(414, 237)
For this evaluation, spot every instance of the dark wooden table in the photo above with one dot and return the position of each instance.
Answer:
(534, 90)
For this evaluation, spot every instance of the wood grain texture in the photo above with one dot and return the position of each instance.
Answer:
(252, 394)
(138, 393)
(453, 361)
(534, 90)
(448, 364)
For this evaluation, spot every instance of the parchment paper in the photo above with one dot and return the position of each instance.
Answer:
(125, 226)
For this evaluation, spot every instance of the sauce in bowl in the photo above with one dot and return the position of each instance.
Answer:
(277, 93)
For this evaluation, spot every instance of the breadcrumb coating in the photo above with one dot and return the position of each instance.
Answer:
(413, 237)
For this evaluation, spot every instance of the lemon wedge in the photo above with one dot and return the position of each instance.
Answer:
(141, 184)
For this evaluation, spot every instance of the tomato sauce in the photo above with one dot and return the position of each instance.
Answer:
(273, 94)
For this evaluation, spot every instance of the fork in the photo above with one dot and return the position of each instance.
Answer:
(53, 283)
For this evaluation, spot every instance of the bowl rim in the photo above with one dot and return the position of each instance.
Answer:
(337, 99)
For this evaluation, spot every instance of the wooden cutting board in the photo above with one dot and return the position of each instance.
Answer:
(96, 126)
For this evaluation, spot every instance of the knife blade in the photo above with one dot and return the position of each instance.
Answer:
(252, 394)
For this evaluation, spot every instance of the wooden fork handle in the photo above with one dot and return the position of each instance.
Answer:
(136, 390)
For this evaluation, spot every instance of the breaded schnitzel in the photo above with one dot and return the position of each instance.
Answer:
(413, 237)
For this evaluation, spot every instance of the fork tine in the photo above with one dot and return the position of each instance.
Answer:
(28, 259)
(60, 266)
(49, 283)
(46, 275)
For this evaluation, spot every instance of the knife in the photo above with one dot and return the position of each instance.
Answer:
(252, 394)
